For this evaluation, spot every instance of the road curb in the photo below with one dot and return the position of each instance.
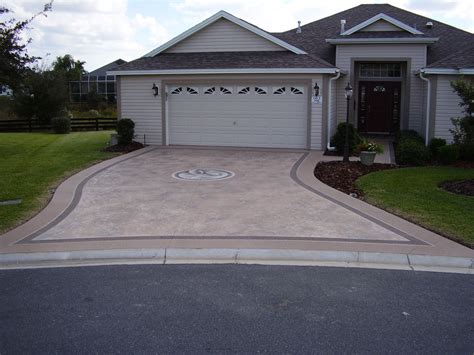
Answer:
(240, 256)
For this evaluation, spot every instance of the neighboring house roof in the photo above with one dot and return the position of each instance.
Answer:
(104, 69)
(225, 15)
(225, 60)
(313, 36)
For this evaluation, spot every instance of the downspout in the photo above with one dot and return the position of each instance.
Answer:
(428, 104)
(338, 74)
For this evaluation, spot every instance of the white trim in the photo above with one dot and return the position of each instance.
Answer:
(448, 71)
(227, 71)
(384, 17)
(167, 120)
(231, 18)
(467, 71)
(381, 40)
(334, 78)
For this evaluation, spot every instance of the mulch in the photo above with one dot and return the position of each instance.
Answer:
(464, 164)
(342, 176)
(124, 148)
(460, 187)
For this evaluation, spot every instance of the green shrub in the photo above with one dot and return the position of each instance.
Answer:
(408, 134)
(61, 125)
(339, 138)
(125, 131)
(411, 152)
(466, 151)
(448, 154)
(435, 144)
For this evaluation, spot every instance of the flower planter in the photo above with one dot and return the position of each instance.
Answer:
(367, 158)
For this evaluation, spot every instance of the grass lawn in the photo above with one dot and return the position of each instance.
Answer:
(413, 193)
(32, 163)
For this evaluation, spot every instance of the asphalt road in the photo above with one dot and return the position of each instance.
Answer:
(234, 309)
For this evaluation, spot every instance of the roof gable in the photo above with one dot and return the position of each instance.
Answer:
(382, 18)
(259, 33)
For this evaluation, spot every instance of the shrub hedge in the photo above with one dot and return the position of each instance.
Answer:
(61, 125)
(125, 131)
(339, 138)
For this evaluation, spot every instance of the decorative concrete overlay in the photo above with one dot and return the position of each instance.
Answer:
(138, 198)
(203, 174)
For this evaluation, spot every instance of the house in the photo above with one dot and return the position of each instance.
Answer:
(97, 81)
(226, 82)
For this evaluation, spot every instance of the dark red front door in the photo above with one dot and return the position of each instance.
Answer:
(379, 106)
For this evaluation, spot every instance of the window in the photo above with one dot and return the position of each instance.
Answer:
(177, 91)
(380, 70)
(110, 77)
(226, 91)
(243, 90)
(210, 91)
(191, 91)
(280, 91)
(260, 91)
(296, 91)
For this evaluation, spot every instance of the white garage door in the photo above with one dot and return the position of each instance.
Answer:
(273, 116)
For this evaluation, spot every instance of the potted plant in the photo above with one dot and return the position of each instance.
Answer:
(367, 151)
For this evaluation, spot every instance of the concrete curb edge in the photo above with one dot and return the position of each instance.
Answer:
(240, 256)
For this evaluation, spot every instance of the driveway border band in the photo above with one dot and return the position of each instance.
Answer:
(295, 178)
(30, 239)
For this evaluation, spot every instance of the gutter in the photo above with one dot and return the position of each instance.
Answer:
(338, 75)
(428, 103)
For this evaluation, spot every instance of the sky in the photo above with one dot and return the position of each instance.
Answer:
(101, 31)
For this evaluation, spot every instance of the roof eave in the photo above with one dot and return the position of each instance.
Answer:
(229, 17)
(381, 40)
(448, 71)
(226, 71)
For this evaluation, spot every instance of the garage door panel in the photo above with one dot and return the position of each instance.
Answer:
(234, 119)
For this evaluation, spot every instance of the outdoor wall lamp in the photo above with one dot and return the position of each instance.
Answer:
(316, 90)
(155, 89)
(348, 91)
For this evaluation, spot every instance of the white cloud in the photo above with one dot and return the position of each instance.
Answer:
(95, 31)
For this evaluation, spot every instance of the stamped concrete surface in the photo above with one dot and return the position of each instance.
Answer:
(141, 198)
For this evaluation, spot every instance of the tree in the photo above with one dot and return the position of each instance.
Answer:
(463, 130)
(43, 95)
(14, 58)
(72, 69)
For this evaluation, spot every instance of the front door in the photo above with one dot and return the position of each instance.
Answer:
(379, 106)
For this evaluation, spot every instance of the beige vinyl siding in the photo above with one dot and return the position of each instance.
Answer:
(138, 103)
(316, 137)
(447, 106)
(416, 53)
(224, 36)
(381, 26)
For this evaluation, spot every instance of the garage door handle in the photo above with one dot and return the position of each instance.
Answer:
(235, 123)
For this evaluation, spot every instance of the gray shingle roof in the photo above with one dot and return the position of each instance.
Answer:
(225, 60)
(462, 59)
(313, 37)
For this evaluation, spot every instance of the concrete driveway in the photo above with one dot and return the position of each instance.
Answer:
(141, 198)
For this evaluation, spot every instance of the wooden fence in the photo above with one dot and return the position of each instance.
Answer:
(77, 124)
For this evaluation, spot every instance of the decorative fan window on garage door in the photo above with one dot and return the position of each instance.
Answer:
(243, 90)
(280, 91)
(225, 90)
(296, 90)
(182, 91)
(260, 90)
(210, 91)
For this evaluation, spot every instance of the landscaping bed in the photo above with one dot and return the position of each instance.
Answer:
(342, 176)
(460, 187)
(124, 148)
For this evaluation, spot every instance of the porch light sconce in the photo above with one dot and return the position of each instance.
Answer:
(316, 90)
(348, 91)
(155, 89)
